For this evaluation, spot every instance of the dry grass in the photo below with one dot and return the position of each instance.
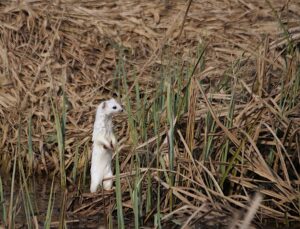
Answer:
(236, 133)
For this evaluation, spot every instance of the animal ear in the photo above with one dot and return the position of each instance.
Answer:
(103, 105)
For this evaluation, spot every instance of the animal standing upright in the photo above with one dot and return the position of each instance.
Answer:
(104, 144)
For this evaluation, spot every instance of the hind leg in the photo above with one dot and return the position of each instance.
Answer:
(96, 178)
(107, 184)
(95, 181)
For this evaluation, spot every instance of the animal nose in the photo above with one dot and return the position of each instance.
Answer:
(122, 110)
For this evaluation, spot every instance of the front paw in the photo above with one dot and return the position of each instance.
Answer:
(113, 145)
(109, 146)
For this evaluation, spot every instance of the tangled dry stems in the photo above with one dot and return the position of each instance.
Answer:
(50, 48)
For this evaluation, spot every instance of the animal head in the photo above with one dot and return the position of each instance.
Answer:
(110, 107)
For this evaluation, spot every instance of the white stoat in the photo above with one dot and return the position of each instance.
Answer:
(104, 143)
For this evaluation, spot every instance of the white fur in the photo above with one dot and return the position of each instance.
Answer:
(104, 143)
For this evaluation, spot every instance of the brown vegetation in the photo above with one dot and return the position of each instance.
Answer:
(238, 133)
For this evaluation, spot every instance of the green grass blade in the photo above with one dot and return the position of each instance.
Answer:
(11, 213)
(119, 195)
(27, 200)
(50, 206)
(2, 203)
(60, 140)
(75, 164)
(30, 148)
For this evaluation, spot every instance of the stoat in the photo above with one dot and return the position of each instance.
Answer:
(104, 144)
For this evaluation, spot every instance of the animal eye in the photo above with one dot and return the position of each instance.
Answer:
(114, 107)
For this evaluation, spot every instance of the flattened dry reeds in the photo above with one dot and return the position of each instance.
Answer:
(197, 142)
